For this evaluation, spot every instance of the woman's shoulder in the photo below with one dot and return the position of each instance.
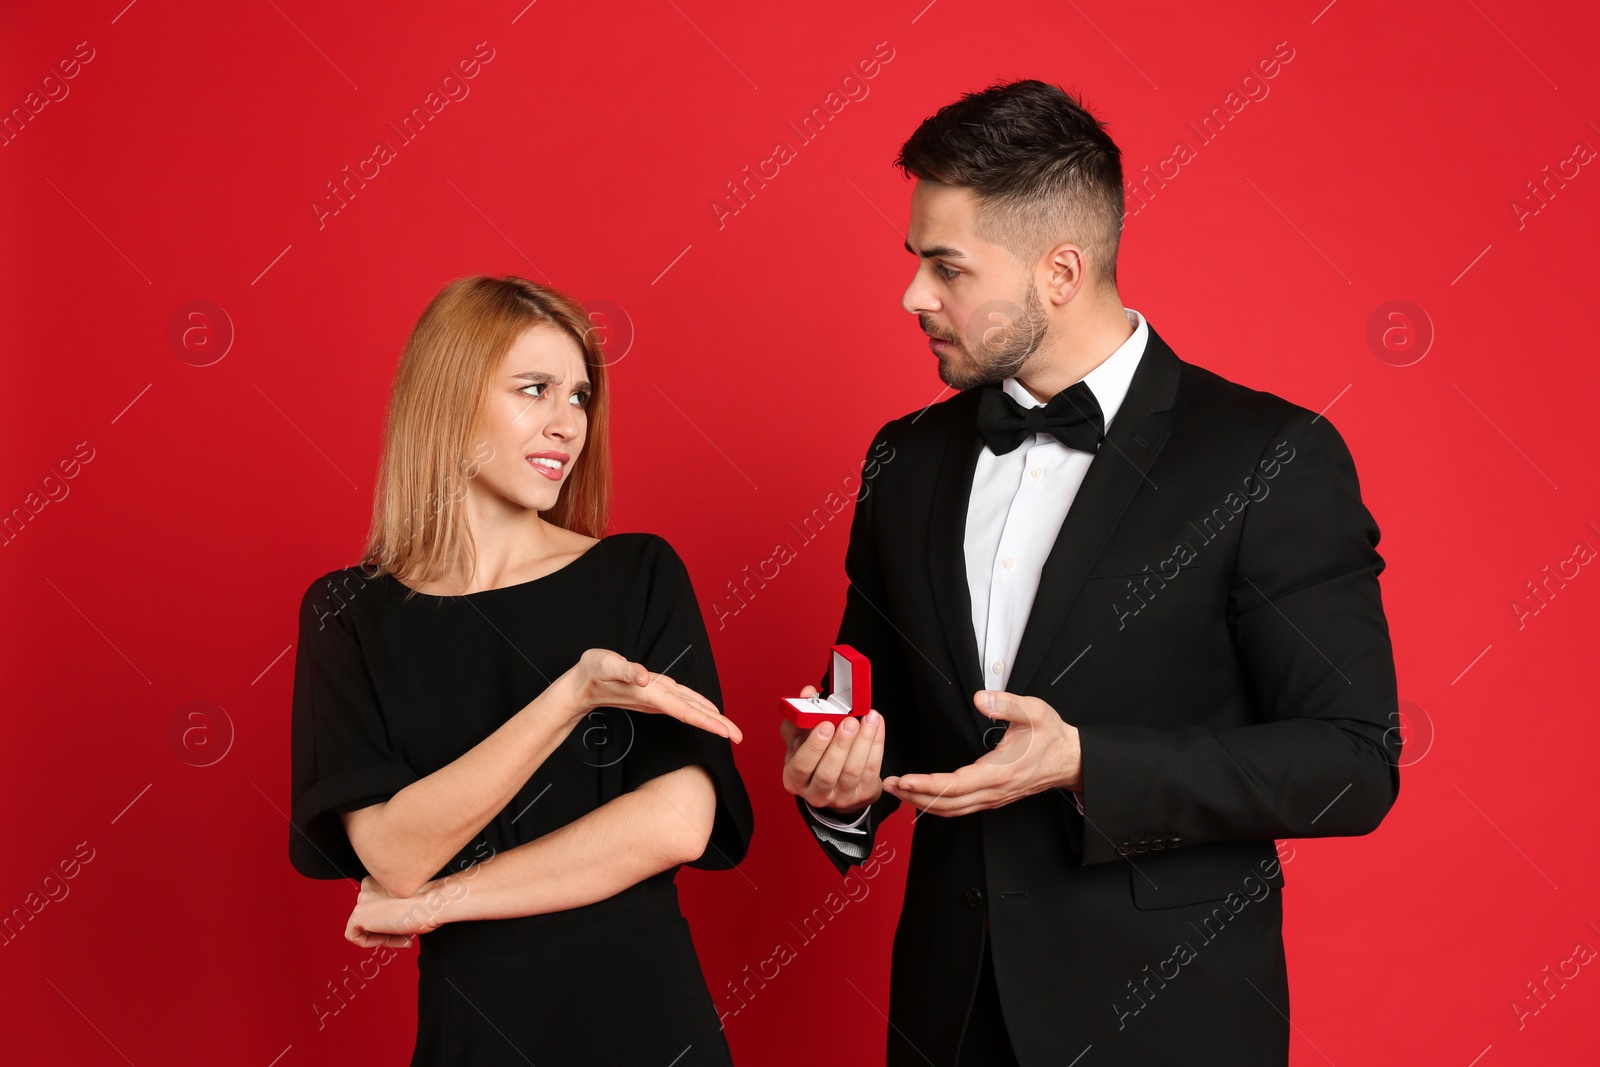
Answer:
(345, 578)
(649, 561)
(331, 594)
(645, 545)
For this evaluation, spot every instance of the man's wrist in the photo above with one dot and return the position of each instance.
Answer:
(842, 813)
(835, 819)
(1070, 775)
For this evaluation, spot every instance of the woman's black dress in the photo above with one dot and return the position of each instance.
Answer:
(388, 691)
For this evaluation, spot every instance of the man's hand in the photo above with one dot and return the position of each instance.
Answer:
(832, 768)
(1037, 752)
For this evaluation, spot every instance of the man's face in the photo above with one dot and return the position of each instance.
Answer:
(976, 303)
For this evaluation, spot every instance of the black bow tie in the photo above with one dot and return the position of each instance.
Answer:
(1072, 415)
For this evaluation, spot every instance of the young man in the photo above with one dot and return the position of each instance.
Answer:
(1125, 630)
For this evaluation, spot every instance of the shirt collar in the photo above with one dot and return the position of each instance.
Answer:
(1109, 381)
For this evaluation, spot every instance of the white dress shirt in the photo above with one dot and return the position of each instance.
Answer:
(1018, 503)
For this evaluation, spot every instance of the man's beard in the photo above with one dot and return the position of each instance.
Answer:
(1000, 339)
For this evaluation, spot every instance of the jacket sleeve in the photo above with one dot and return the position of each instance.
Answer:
(866, 628)
(1308, 627)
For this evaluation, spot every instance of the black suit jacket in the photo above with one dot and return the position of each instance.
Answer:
(1209, 618)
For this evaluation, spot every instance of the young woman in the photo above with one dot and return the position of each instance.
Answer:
(505, 723)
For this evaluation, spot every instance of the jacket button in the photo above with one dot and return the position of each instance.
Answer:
(1123, 850)
(1174, 841)
(1141, 847)
(975, 897)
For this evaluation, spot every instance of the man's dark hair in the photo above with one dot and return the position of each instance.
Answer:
(1041, 168)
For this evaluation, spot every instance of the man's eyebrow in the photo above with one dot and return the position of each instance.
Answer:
(941, 251)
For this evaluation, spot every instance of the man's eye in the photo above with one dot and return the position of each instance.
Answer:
(945, 272)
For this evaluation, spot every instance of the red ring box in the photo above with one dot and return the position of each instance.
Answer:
(850, 678)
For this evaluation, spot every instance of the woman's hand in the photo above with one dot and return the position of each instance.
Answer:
(605, 679)
(381, 918)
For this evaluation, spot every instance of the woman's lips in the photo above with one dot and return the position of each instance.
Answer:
(553, 473)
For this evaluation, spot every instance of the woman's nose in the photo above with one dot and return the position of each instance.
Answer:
(563, 425)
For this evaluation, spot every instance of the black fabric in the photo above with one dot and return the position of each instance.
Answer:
(388, 691)
(985, 1042)
(1209, 618)
(1073, 416)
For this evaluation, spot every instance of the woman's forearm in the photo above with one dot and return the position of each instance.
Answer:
(405, 840)
(665, 822)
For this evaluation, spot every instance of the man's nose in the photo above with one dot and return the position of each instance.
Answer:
(917, 297)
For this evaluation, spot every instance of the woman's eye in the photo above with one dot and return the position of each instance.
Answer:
(579, 398)
(945, 272)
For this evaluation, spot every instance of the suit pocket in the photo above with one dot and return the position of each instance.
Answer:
(1163, 561)
(1172, 878)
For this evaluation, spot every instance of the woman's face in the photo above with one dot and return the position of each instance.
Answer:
(534, 420)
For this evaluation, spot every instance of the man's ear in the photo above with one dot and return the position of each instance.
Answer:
(1066, 271)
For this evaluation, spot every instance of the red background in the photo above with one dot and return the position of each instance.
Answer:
(1382, 164)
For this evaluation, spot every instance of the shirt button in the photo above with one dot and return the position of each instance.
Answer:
(1038, 472)
(1011, 561)
(998, 666)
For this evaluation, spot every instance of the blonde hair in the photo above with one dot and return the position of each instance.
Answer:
(419, 526)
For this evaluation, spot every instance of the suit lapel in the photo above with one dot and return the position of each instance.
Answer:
(947, 557)
(1138, 433)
